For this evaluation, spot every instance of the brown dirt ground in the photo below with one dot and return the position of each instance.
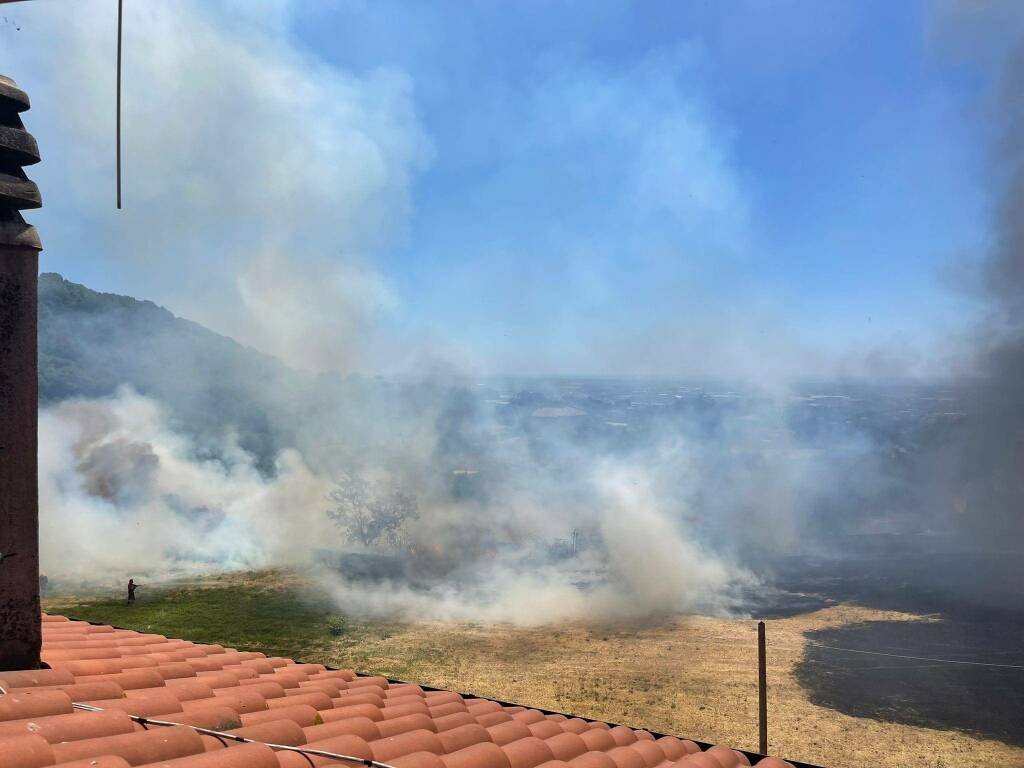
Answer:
(690, 676)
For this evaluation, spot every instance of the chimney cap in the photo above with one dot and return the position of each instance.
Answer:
(12, 96)
(16, 233)
(17, 191)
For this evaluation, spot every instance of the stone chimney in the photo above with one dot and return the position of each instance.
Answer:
(20, 625)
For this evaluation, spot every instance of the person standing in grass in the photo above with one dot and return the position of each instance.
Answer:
(132, 586)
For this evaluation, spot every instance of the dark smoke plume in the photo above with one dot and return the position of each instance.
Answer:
(974, 473)
(991, 451)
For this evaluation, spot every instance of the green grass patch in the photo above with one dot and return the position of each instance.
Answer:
(279, 613)
(261, 612)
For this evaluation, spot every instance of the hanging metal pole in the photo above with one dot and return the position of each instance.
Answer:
(762, 691)
(120, 15)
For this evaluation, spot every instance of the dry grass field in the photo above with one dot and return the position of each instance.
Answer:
(690, 676)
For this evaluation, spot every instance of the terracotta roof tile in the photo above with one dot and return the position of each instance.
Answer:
(390, 713)
(509, 731)
(453, 720)
(35, 677)
(652, 754)
(407, 742)
(592, 760)
(489, 719)
(698, 760)
(363, 727)
(566, 745)
(463, 736)
(397, 725)
(161, 702)
(527, 752)
(27, 751)
(27, 702)
(217, 718)
(134, 678)
(418, 760)
(274, 732)
(103, 761)
(80, 725)
(138, 748)
(315, 699)
(726, 757)
(575, 725)
(351, 698)
(625, 757)
(342, 711)
(216, 679)
(598, 740)
(184, 688)
(243, 756)
(484, 755)
(302, 715)
(266, 688)
(342, 745)
(273, 700)
(545, 729)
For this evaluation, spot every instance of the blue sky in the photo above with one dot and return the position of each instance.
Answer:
(600, 187)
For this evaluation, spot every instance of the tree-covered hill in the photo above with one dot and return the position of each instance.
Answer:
(91, 343)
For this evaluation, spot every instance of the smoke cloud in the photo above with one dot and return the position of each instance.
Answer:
(529, 509)
(258, 180)
(113, 470)
(121, 493)
(980, 468)
(262, 184)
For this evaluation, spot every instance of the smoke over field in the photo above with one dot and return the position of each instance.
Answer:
(535, 500)
(267, 207)
(113, 469)
(585, 499)
(121, 492)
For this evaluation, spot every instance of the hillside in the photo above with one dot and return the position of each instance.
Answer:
(91, 343)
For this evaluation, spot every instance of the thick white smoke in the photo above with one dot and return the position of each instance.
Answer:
(122, 493)
(259, 182)
(647, 562)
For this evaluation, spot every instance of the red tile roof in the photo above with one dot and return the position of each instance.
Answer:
(119, 674)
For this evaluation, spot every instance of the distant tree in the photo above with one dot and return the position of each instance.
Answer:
(371, 513)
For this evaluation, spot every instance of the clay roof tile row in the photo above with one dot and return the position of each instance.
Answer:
(277, 701)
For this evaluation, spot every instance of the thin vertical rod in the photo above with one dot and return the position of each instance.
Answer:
(762, 691)
(120, 14)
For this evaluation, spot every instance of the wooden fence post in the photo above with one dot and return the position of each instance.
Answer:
(762, 691)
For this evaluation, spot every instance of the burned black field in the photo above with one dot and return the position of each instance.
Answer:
(968, 673)
(985, 700)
